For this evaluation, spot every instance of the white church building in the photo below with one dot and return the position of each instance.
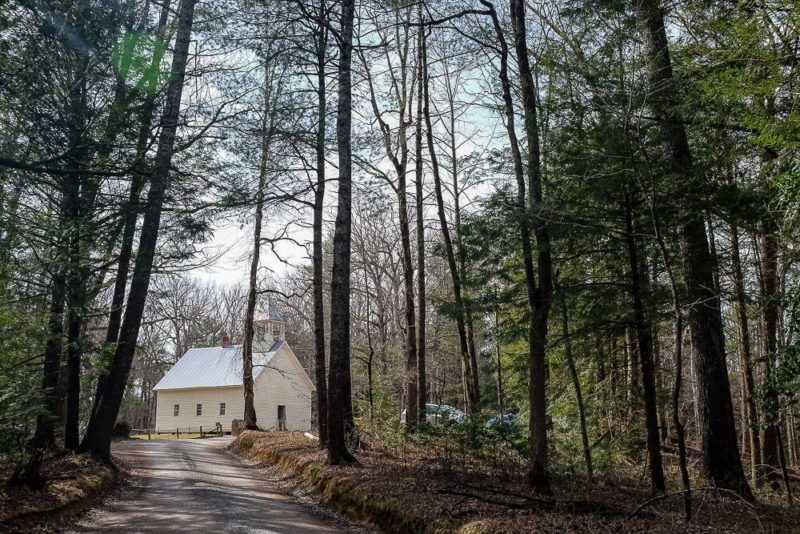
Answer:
(205, 386)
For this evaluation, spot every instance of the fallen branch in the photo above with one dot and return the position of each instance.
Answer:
(529, 501)
(681, 493)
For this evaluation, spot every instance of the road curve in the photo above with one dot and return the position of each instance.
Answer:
(197, 485)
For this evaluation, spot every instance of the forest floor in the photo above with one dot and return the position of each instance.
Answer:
(419, 489)
(72, 483)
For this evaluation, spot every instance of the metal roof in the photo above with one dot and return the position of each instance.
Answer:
(213, 367)
(272, 314)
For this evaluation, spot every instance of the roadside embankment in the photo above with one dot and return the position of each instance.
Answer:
(73, 482)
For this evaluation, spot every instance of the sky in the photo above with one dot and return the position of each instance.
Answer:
(232, 247)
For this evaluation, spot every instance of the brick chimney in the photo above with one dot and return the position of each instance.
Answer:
(226, 341)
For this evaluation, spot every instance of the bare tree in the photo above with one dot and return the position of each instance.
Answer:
(401, 84)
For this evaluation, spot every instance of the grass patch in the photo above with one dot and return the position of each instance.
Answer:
(163, 435)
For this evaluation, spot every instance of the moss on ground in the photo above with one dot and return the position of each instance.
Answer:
(414, 491)
(80, 480)
(385, 513)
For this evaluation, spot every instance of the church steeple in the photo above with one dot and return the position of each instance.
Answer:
(269, 329)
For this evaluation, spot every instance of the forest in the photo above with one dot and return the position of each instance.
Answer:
(574, 221)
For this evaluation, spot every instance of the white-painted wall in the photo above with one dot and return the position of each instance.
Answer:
(281, 383)
(188, 399)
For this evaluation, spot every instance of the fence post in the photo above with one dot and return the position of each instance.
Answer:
(177, 433)
(148, 434)
(201, 431)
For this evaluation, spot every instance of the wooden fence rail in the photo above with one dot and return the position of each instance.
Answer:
(215, 431)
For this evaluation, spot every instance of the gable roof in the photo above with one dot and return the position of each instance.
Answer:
(291, 357)
(213, 367)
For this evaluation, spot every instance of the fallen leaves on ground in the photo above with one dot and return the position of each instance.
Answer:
(469, 497)
(72, 481)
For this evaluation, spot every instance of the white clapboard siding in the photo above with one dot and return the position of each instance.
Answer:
(189, 398)
(283, 383)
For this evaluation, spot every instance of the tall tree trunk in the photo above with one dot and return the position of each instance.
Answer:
(250, 417)
(721, 462)
(501, 408)
(537, 332)
(791, 434)
(676, 410)
(422, 385)
(471, 396)
(632, 370)
(399, 158)
(540, 297)
(712, 249)
(82, 236)
(768, 252)
(411, 376)
(663, 419)
(76, 268)
(370, 351)
(461, 254)
(576, 384)
(677, 359)
(320, 366)
(76, 302)
(645, 342)
(98, 434)
(745, 359)
(468, 318)
(44, 436)
(132, 207)
(339, 375)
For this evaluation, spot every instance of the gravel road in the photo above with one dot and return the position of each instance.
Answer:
(196, 485)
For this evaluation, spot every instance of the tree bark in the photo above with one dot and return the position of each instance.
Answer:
(320, 367)
(339, 376)
(98, 434)
(411, 376)
(460, 253)
(77, 274)
(537, 331)
(250, 417)
(370, 352)
(768, 252)
(645, 342)
(399, 158)
(132, 210)
(541, 296)
(721, 462)
(501, 408)
(745, 357)
(44, 436)
(576, 384)
(422, 391)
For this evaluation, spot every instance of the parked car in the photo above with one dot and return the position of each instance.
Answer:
(438, 413)
(507, 420)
